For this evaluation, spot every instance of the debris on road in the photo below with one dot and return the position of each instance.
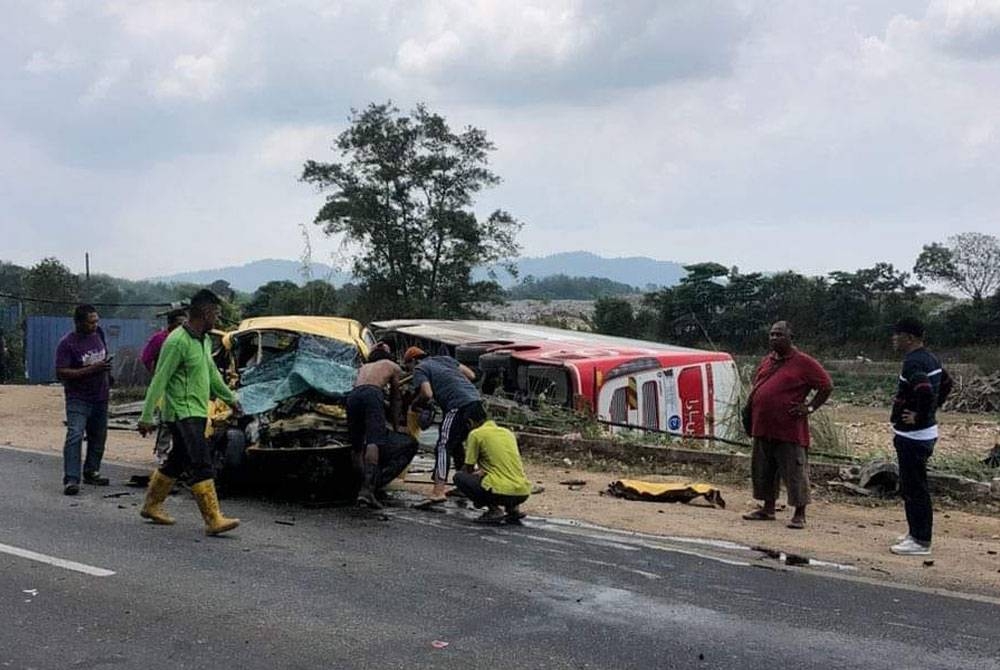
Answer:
(573, 482)
(634, 489)
(284, 522)
(439, 644)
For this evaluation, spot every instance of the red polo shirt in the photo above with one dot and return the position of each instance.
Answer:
(787, 382)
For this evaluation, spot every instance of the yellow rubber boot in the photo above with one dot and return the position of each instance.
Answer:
(159, 488)
(208, 503)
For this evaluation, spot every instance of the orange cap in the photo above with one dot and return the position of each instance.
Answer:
(413, 353)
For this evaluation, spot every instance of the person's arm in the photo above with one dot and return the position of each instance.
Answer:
(923, 395)
(217, 385)
(64, 363)
(467, 371)
(395, 398)
(472, 452)
(819, 380)
(424, 391)
(169, 361)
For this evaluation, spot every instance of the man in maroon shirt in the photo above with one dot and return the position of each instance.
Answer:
(780, 424)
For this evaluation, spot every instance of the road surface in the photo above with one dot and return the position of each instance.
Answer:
(84, 583)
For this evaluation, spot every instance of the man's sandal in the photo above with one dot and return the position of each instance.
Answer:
(758, 515)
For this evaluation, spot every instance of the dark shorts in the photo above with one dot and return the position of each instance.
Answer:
(366, 422)
(774, 461)
(190, 452)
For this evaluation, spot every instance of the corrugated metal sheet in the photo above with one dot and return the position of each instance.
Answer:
(10, 317)
(44, 333)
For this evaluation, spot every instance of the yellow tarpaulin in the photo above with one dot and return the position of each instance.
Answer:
(636, 489)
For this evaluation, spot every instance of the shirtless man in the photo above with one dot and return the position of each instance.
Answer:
(380, 453)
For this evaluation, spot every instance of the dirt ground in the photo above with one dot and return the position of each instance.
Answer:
(868, 432)
(966, 548)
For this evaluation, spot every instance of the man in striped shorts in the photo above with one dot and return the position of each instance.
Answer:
(449, 383)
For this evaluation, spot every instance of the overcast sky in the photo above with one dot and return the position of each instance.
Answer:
(810, 135)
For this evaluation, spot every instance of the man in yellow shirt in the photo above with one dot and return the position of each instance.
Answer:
(499, 483)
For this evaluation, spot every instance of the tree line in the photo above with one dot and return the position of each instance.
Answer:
(843, 312)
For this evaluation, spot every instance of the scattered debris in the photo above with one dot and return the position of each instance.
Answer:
(31, 592)
(975, 394)
(284, 522)
(634, 489)
(117, 495)
(138, 481)
(929, 563)
(796, 559)
(439, 644)
(573, 482)
(567, 462)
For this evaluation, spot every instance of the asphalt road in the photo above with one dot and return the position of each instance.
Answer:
(347, 588)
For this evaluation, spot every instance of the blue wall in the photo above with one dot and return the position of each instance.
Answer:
(44, 333)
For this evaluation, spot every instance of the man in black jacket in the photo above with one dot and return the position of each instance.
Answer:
(915, 425)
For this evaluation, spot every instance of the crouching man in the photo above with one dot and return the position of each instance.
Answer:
(380, 453)
(185, 379)
(499, 483)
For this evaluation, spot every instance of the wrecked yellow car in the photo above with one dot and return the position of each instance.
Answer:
(292, 375)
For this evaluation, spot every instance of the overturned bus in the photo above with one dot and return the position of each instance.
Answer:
(625, 383)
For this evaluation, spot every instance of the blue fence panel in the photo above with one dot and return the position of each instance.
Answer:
(44, 333)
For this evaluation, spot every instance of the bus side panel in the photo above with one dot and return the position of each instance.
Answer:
(691, 389)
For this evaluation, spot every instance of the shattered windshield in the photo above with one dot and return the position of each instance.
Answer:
(316, 363)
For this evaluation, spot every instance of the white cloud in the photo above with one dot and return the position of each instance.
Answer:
(112, 71)
(42, 62)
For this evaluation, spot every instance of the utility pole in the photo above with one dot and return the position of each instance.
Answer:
(86, 261)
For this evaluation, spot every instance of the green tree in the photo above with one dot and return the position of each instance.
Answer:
(404, 194)
(51, 280)
(614, 316)
(969, 263)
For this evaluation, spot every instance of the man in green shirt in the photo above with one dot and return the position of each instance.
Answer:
(499, 481)
(186, 378)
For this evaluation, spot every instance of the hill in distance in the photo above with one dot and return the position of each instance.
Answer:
(638, 271)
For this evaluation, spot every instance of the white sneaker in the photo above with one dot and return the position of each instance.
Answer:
(910, 547)
(904, 538)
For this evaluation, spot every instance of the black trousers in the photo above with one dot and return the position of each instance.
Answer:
(366, 416)
(190, 452)
(472, 486)
(913, 456)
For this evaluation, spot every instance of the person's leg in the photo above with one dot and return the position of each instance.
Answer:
(512, 508)
(913, 486)
(458, 435)
(370, 475)
(393, 457)
(472, 486)
(77, 412)
(764, 476)
(97, 436)
(176, 463)
(793, 464)
(202, 475)
(441, 456)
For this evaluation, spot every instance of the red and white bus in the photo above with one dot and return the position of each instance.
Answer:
(625, 382)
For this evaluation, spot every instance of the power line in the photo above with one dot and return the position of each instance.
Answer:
(20, 298)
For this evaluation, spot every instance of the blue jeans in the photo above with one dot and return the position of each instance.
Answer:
(90, 418)
(913, 456)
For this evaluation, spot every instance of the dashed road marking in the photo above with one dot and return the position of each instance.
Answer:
(57, 562)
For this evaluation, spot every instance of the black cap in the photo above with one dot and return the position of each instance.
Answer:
(909, 326)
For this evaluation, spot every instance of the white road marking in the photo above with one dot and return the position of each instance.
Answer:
(58, 562)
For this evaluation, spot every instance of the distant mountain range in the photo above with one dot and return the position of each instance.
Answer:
(638, 271)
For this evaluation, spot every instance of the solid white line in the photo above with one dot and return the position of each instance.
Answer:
(58, 562)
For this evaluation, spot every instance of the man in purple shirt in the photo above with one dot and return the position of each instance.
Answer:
(84, 367)
(151, 352)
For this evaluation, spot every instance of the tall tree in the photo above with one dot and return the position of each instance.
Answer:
(50, 280)
(969, 263)
(403, 194)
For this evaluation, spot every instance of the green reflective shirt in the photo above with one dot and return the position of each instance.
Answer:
(185, 378)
